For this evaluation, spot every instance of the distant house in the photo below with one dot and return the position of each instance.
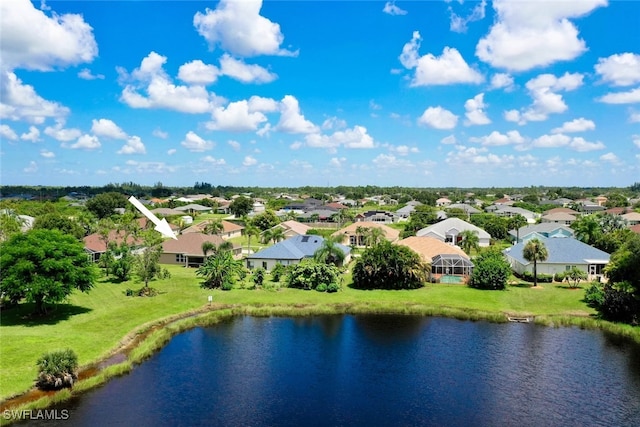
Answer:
(384, 217)
(443, 201)
(511, 211)
(632, 218)
(167, 212)
(229, 229)
(96, 245)
(405, 211)
(559, 218)
(467, 208)
(563, 255)
(542, 230)
(445, 260)
(449, 230)
(561, 210)
(294, 228)
(194, 208)
(290, 251)
(350, 235)
(187, 249)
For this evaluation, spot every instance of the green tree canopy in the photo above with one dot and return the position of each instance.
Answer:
(220, 270)
(44, 267)
(266, 220)
(330, 252)
(55, 221)
(389, 266)
(241, 206)
(491, 271)
(103, 205)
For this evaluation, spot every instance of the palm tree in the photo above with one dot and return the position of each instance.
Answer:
(586, 229)
(214, 249)
(220, 270)
(376, 235)
(214, 227)
(362, 234)
(330, 252)
(250, 230)
(274, 234)
(517, 222)
(535, 251)
(469, 240)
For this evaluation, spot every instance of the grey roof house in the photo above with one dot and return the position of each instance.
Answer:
(542, 230)
(563, 254)
(291, 251)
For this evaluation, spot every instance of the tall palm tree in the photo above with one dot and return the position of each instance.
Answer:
(535, 251)
(214, 249)
(470, 240)
(362, 234)
(587, 229)
(274, 234)
(330, 252)
(249, 231)
(220, 270)
(376, 235)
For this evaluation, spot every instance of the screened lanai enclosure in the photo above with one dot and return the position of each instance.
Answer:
(446, 267)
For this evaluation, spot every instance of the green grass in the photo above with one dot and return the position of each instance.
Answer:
(95, 324)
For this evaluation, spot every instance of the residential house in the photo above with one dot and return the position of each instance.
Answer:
(194, 208)
(290, 251)
(449, 230)
(167, 212)
(443, 201)
(384, 217)
(562, 210)
(467, 208)
(229, 229)
(511, 211)
(351, 236)
(405, 212)
(632, 218)
(187, 249)
(542, 230)
(559, 218)
(293, 228)
(563, 255)
(445, 260)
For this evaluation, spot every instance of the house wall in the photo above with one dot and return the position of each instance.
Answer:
(268, 264)
(549, 269)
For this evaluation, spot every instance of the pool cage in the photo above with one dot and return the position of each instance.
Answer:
(450, 264)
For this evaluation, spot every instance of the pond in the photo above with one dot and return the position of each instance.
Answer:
(374, 370)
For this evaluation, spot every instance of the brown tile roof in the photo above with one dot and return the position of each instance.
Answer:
(429, 247)
(635, 228)
(391, 233)
(227, 227)
(94, 242)
(295, 226)
(190, 243)
(336, 205)
(561, 210)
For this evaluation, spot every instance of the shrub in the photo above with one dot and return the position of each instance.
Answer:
(321, 287)
(594, 296)
(258, 276)
(333, 287)
(57, 369)
(277, 272)
(310, 274)
(619, 305)
(491, 271)
(542, 278)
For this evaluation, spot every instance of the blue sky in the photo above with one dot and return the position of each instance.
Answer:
(291, 93)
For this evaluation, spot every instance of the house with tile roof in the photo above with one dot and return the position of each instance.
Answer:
(351, 236)
(559, 218)
(632, 218)
(229, 229)
(446, 260)
(293, 228)
(563, 255)
(187, 249)
(542, 230)
(449, 230)
(290, 251)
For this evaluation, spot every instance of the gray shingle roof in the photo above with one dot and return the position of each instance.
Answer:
(561, 251)
(542, 228)
(295, 248)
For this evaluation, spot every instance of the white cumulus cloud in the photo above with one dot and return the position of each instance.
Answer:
(629, 97)
(236, 117)
(238, 27)
(459, 23)
(619, 70)
(62, 134)
(438, 118)
(357, 137)
(475, 111)
(448, 68)
(199, 73)
(194, 142)
(576, 125)
(35, 41)
(7, 133)
(246, 73)
(390, 8)
(134, 145)
(21, 102)
(33, 135)
(502, 81)
(47, 154)
(496, 138)
(107, 128)
(533, 34)
(249, 161)
(85, 142)
(291, 120)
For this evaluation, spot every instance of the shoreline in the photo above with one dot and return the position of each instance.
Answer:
(145, 340)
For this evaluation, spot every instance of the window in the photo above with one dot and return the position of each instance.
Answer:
(568, 267)
(180, 258)
(264, 264)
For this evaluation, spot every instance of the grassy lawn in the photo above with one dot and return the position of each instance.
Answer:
(94, 324)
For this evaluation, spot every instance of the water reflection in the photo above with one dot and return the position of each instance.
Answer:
(374, 370)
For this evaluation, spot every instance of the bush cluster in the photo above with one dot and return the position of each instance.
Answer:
(57, 369)
(313, 275)
(542, 278)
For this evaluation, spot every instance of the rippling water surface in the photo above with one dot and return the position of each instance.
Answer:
(374, 371)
